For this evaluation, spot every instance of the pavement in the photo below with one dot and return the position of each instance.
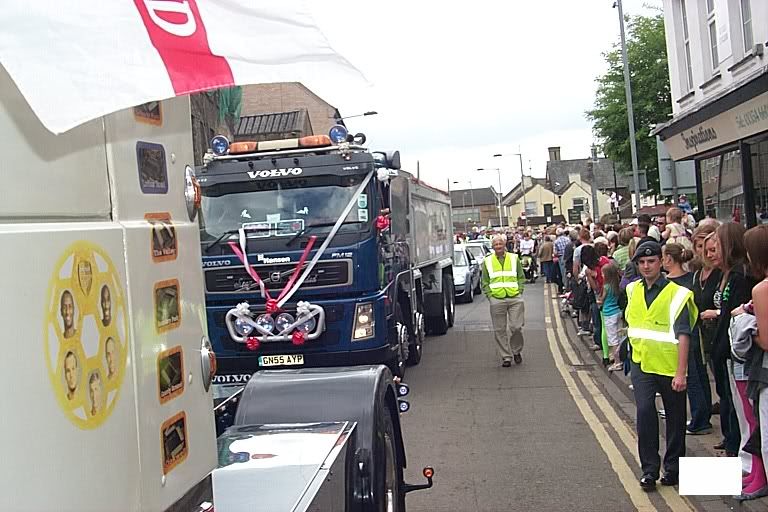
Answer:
(554, 433)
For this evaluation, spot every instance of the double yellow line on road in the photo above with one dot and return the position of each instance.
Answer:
(640, 499)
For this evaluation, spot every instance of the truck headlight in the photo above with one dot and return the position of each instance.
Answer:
(364, 322)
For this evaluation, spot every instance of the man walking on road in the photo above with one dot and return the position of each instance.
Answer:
(502, 283)
(659, 316)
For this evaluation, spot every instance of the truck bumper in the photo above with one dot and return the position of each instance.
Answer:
(244, 364)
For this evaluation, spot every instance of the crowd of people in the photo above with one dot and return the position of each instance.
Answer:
(722, 271)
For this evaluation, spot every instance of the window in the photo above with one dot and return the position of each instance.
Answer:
(746, 25)
(462, 215)
(712, 29)
(580, 204)
(531, 208)
(687, 46)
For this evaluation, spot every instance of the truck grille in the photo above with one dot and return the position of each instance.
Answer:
(236, 279)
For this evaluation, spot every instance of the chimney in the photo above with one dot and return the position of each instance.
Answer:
(554, 153)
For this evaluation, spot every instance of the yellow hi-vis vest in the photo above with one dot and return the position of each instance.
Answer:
(503, 278)
(651, 330)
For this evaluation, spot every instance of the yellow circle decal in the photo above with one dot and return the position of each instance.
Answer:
(86, 334)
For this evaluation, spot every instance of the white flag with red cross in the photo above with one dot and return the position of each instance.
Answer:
(75, 60)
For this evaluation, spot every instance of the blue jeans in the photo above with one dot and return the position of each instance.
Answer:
(699, 391)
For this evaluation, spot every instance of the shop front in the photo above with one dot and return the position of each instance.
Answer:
(728, 140)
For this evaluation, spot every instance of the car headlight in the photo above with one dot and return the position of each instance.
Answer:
(459, 278)
(364, 322)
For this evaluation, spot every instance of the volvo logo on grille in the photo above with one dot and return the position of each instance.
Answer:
(275, 277)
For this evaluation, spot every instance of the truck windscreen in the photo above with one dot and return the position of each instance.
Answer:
(282, 207)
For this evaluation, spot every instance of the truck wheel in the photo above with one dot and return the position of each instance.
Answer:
(397, 366)
(388, 496)
(439, 324)
(451, 297)
(414, 351)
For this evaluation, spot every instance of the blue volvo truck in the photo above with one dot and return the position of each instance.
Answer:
(354, 253)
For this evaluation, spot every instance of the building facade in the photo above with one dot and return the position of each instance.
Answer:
(719, 80)
(566, 193)
(475, 208)
(289, 97)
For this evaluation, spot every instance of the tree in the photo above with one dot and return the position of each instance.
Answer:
(651, 97)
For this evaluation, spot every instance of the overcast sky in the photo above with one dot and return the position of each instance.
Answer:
(454, 85)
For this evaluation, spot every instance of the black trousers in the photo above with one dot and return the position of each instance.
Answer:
(646, 385)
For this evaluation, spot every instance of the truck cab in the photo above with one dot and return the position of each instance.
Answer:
(315, 224)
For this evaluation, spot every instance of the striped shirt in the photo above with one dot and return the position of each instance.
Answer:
(560, 244)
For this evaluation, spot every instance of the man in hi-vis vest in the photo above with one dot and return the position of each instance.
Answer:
(502, 283)
(660, 314)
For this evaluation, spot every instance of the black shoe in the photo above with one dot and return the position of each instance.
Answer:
(670, 479)
(647, 483)
(507, 363)
(719, 446)
(518, 359)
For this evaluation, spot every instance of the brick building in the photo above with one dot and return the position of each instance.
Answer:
(286, 98)
(477, 207)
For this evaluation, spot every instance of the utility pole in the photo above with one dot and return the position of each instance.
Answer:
(595, 209)
(630, 110)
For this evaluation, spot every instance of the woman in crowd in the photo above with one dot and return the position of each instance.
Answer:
(706, 278)
(675, 258)
(613, 242)
(725, 249)
(756, 241)
(621, 254)
(611, 313)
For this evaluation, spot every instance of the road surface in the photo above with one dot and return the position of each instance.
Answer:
(554, 433)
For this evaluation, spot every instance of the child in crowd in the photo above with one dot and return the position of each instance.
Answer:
(611, 313)
(675, 232)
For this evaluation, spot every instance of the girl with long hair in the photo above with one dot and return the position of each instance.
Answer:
(675, 258)
(611, 313)
(725, 249)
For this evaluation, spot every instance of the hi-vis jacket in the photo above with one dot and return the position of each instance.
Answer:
(651, 330)
(500, 281)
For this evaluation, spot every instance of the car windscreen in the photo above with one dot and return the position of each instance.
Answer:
(476, 252)
(460, 259)
(283, 206)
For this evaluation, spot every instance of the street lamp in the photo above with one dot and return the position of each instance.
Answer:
(364, 114)
(522, 182)
(464, 196)
(501, 223)
(630, 110)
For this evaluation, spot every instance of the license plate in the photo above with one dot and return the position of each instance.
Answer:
(284, 360)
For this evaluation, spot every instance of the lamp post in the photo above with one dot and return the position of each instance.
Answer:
(464, 196)
(630, 110)
(522, 181)
(501, 223)
(364, 114)
(595, 209)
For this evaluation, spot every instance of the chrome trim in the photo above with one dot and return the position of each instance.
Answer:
(285, 334)
(263, 265)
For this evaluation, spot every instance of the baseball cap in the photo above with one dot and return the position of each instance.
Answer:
(646, 249)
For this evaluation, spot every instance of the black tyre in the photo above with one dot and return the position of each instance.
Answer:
(439, 324)
(478, 290)
(469, 294)
(451, 297)
(400, 335)
(388, 495)
(417, 341)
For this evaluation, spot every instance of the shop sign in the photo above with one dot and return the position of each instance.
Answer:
(749, 118)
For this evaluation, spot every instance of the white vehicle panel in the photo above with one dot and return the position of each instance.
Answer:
(47, 176)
